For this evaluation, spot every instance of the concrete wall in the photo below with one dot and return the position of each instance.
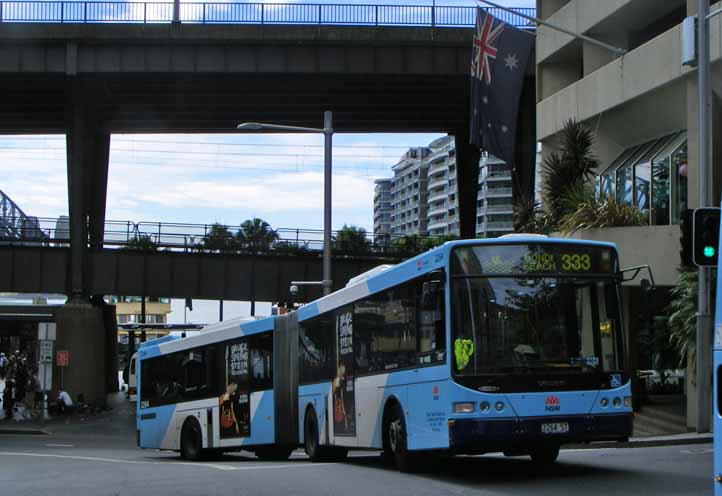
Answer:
(656, 246)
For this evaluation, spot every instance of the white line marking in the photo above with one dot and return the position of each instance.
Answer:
(60, 445)
(168, 463)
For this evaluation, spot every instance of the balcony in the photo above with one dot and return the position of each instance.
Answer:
(494, 192)
(438, 209)
(438, 167)
(496, 209)
(496, 226)
(433, 183)
(438, 224)
(436, 196)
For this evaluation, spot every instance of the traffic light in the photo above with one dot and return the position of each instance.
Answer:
(706, 236)
(685, 239)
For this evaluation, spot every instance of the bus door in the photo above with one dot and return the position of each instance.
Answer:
(342, 403)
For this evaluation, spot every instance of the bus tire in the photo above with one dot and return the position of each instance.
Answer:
(311, 444)
(277, 453)
(191, 443)
(544, 454)
(395, 434)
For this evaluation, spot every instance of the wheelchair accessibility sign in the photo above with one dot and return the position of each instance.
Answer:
(615, 381)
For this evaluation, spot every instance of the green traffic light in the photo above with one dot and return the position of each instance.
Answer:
(709, 251)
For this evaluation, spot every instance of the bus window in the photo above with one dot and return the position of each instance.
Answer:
(317, 349)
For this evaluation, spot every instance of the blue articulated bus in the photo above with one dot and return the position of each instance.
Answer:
(510, 345)
(215, 392)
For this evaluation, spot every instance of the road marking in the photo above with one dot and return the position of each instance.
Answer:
(60, 445)
(168, 463)
(698, 451)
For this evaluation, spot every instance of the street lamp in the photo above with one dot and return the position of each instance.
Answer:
(327, 131)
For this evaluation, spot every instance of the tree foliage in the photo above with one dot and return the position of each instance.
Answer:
(219, 238)
(351, 239)
(564, 170)
(682, 321)
(257, 234)
(141, 242)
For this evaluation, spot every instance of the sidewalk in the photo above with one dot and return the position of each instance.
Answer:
(117, 420)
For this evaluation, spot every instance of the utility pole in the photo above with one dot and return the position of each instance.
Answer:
(704, 314)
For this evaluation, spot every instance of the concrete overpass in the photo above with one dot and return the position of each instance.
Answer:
(89, 80)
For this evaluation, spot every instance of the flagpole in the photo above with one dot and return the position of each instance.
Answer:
(611, 48)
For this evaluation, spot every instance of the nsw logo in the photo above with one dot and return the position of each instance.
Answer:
(552, 404)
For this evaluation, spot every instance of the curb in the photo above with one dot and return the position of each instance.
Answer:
(642, 443)
(24, 432)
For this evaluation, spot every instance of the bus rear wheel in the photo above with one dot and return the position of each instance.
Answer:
(312, 446)
(191, 440)
(545, 454)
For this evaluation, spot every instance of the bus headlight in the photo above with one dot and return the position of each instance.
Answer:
(604, 402)
(484, 405)
(463, 407)
(617, 402)
(499, 405)
(628, 401)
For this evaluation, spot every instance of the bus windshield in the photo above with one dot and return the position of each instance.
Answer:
(535, 309)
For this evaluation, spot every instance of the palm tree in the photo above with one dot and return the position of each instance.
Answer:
(572, 165)
(351, 239)
(257, 234)
(220, 238)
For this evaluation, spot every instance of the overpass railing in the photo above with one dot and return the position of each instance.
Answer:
(23, 11)
(217, 238)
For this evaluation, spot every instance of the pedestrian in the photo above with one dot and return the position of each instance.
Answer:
(8, 402)
(64, 404)
(3, 365)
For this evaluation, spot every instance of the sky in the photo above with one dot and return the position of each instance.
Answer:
(225, 178)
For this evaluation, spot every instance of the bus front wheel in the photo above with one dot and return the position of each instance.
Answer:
(191, 440)
(544, 454)
(395, 442)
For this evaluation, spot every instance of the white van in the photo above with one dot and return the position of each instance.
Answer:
(132, 390)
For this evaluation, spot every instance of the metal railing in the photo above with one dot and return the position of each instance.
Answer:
(208, 238)
(15, 224)
(249, 13)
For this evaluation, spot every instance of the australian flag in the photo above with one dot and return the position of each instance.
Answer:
(499, 59)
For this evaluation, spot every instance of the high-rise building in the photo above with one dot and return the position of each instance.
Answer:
(442, 211)
(382, 207)
(408, 193)
(422, 197)
(494, 208)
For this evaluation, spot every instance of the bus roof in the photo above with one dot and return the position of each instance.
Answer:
(221, 331)
(378, 280)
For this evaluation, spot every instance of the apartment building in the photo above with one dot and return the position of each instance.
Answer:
(642, 107)
(382, 207)
(443, 217)
(408, 193)
(495, 206)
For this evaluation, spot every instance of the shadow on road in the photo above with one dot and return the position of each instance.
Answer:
(485, 470)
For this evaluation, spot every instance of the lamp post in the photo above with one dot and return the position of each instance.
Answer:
(327, 132)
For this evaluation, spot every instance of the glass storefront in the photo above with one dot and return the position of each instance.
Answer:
(651, 176)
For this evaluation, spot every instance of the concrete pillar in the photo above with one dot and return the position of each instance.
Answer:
(97, 167)
(77, 198)
(81, 331)
(467, 182)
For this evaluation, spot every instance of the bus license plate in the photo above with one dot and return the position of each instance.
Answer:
(555, 428)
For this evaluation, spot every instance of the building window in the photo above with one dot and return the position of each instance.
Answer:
(652, 177)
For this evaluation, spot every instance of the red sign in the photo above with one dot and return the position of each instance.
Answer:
(552, 400)
(61, 358)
